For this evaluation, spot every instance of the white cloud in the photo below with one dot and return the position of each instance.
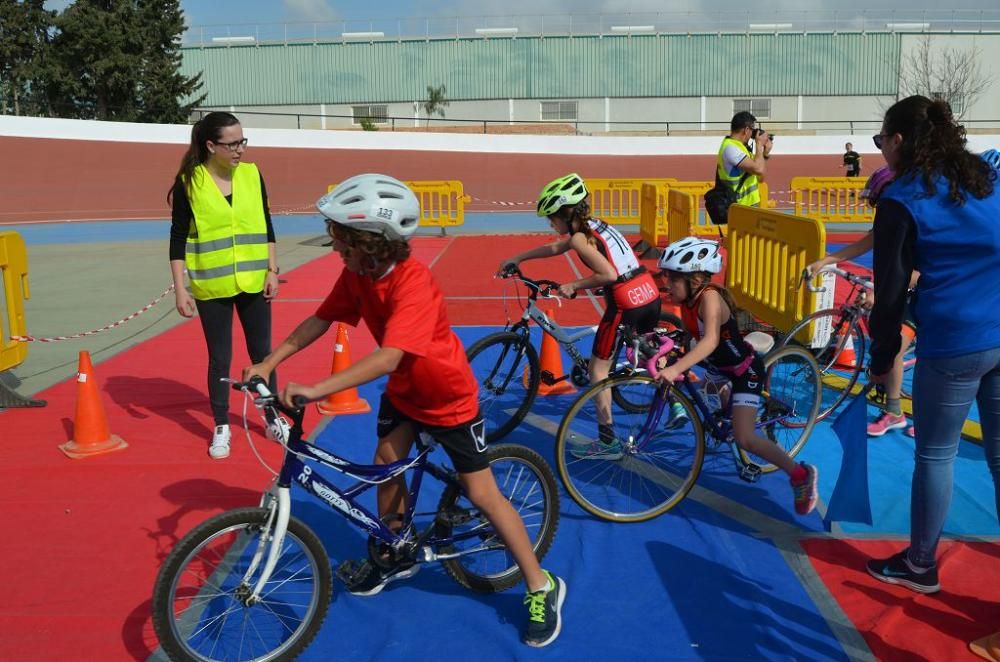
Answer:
(310, 10)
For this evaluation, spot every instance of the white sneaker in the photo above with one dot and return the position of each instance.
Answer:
(219, 449)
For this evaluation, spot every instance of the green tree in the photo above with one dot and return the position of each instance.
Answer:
(436, 101)
(97, 61)
(25, 28)
(165, 95)
(120, 60)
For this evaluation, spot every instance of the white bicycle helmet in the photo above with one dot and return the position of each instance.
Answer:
(691, 254)
(373, 203)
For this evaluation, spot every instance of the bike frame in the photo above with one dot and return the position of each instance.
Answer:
(549, 326)
(718, 427)
(294, 469)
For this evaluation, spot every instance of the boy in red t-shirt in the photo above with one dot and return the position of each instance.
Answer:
(431, 385)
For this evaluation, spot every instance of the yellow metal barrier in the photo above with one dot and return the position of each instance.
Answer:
(619, 201)
(665, 218)
(14, 269)
(831, 199)
(767, 251)
(442, 203)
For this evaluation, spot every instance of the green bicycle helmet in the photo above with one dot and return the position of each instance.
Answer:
(567, 190)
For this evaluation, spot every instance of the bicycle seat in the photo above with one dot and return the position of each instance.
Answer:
(761, 342)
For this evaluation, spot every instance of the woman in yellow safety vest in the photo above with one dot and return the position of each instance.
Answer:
(221, 233)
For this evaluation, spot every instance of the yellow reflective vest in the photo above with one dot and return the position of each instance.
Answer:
(746, 192)
(226, 251)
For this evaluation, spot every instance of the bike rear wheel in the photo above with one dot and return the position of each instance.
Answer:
(790, 403)
(506, 368)
(199, 608)
(646, 470)
(526, 481)
(839, 359)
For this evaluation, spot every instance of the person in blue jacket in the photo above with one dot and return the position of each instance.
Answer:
(940, 216)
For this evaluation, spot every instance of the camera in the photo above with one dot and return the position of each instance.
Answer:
(758, 131)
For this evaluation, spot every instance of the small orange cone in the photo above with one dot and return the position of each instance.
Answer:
(551, 361)
(847, 358)
(347, 401)
(90, 427)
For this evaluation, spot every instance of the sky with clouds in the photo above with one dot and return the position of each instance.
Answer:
(233, 12)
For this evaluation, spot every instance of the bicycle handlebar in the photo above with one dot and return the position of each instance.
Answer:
(654, 346)
(542, 287)
(849, 277)
(266, 398)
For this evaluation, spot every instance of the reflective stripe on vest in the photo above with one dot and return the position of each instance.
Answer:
(747, 193)
(226, 251)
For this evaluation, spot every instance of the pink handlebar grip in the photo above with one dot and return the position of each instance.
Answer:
(666, 346)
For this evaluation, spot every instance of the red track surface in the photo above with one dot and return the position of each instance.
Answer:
(49, 179)
(87, 536)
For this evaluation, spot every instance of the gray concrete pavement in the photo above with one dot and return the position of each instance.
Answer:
(76, 288)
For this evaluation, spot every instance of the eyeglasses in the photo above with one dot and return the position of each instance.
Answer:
(235, 145)
(878, 138)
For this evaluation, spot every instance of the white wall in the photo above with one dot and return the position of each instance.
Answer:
(36, 127)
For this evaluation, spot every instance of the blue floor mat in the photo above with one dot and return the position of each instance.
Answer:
(698, 583)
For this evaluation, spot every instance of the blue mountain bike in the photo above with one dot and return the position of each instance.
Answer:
(651, 459)
(256, 583)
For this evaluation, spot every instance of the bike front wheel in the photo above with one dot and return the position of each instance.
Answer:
(646, 467)
(839, 359)
(790, 402)
(484, 564)
(505, 365)
(200, 605)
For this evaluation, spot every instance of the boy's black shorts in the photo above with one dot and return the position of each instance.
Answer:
(464, 443)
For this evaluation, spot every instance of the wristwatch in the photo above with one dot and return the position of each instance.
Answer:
(275, 271)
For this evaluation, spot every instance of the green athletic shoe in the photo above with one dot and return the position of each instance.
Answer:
(545, 613)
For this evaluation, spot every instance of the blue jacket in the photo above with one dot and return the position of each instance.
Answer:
(956, 249)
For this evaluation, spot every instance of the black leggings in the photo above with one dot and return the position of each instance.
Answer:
(216, 316)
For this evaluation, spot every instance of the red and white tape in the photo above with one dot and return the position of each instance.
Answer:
(96, 331)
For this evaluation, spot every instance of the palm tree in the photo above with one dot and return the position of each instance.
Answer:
(435, 101)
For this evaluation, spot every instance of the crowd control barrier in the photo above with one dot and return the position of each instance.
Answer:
(768, 250)
(831, 199)
(14, 267)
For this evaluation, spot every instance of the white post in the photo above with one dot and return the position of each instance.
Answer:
(798, 116)
(607, 115)
(703, 110)
(510, 111)
(416, 115)
(322, 116)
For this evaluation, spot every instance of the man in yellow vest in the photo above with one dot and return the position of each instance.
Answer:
(740, 164)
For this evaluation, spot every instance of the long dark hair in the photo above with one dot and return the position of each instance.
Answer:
(934, 145)
(576, 217)
(698, 282)
(207, 128)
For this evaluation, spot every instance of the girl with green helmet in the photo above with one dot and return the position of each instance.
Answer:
(631, 296)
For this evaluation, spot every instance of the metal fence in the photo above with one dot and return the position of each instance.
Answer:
(274, 119)
(571, 24)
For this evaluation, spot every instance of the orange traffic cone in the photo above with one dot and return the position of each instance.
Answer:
(347, 401)
(551, 361)
(90, 426)
(847, 358)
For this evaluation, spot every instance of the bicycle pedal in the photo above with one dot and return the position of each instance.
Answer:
(750, 472)
(351, 572)
(453, 518)
(547, 378)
